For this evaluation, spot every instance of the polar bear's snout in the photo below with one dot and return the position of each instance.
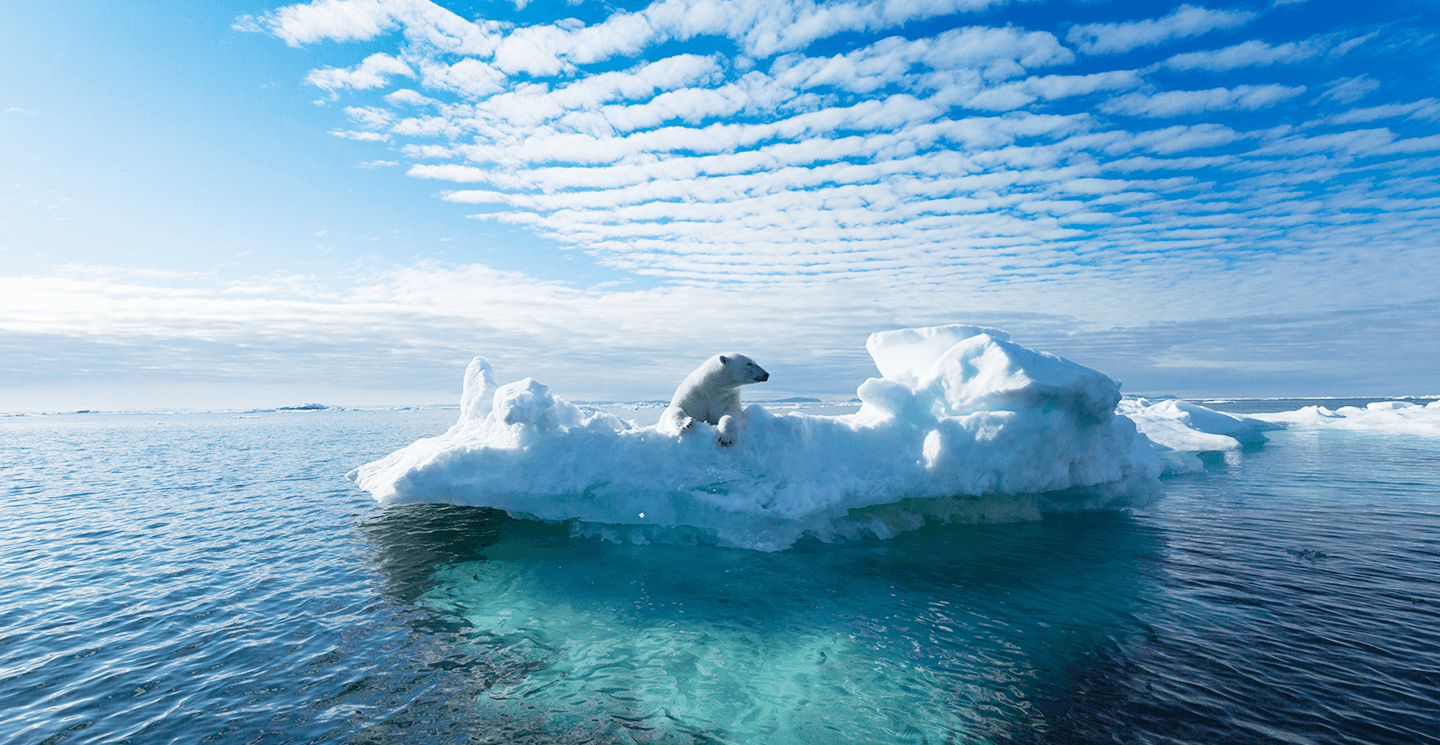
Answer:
(762, 377)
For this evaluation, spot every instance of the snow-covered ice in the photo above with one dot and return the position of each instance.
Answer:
(1180, 429)
(1397, 417)
(962, 425)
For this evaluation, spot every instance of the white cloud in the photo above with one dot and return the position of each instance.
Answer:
(1185, 21)
(1014, 95)
(1180, 103)
(993, 53)
(1357, 143)
(1351, 89)
(540, 50)
(763, 28)
(358, 20)
(1425, 109)
(532, 105)
(1411, 145)
(451, 172)
(373, 72)
(1253, 53)
(1344, 47)
(1184, 139)
(437, 317)
(370, 116)
(361, 136)
(469, 77)
(419, 324)
(410, 98)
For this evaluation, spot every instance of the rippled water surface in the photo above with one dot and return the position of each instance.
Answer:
(206, 578)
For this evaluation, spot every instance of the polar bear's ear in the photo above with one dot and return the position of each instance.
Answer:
(724, 360)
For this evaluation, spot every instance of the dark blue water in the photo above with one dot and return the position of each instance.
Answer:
(203, 578)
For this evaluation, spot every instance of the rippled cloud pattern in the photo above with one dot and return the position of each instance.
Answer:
(919, 144)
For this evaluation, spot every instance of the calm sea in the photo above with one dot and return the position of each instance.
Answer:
(205, 578)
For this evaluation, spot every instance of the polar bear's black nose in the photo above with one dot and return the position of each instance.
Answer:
(764, 376)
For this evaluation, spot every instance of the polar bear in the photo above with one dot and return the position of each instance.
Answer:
(712, 394)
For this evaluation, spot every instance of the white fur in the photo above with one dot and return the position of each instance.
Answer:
(712, 394)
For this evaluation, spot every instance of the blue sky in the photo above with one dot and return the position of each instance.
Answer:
(255, 204)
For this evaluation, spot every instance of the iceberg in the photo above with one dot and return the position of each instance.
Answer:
(962, 425)
(1180, 429)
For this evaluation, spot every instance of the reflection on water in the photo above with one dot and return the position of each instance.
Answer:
(411, 541)
(940, 635)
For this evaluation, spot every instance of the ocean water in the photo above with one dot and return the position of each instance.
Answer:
(209, 578)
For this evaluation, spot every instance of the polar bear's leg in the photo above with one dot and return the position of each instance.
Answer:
(729, 428)
(675, 422)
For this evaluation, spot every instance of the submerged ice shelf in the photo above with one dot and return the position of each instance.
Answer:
(962, 425)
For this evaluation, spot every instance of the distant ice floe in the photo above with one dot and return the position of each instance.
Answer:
(963, 425)
(1398, 417)
(1180, 430)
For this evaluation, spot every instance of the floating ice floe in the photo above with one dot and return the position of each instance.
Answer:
(963, 425)
(1180, 430)
(1397, 417)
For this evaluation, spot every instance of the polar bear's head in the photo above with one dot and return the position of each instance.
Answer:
(741, 370)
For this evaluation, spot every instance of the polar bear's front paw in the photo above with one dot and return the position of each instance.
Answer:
(727, 431)
(685, 424)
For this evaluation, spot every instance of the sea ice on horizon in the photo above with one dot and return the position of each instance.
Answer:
(963, 425)
(1399, 417)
